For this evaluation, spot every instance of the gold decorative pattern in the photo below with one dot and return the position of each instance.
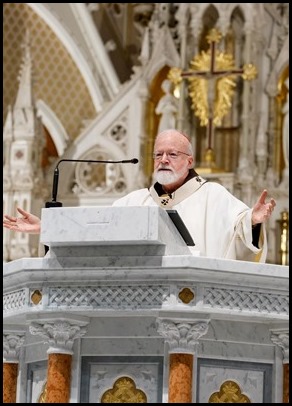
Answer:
(124, 391)
(283, 225)
(43, 395)
(214, 36)
(57, 80)
(212, 81)
(280, 100)
(229, 392)
(36, 297)
(201, 87)
(186, 295)
(174, 75)
(249, 71)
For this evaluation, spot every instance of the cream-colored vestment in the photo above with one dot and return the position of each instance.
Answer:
(220, 224)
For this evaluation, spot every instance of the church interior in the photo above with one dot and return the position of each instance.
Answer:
(89, 78)
(97, 82)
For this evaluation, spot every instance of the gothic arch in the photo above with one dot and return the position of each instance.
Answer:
(73, 50)
(53, 125)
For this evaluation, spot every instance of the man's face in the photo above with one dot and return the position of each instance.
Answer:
(172, 162)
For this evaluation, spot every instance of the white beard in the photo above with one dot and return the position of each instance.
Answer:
(166, 178)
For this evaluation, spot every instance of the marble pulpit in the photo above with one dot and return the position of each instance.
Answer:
(121, 310)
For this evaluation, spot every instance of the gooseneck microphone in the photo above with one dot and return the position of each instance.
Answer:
(54, 202)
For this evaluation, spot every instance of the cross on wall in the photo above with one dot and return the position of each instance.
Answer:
(212, 81)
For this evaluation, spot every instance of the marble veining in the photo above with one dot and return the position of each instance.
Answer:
(126, 282)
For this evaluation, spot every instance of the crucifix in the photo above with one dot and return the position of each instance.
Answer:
(212, 82)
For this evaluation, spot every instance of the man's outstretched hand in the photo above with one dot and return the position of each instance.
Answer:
(28, 223)
(262, 210)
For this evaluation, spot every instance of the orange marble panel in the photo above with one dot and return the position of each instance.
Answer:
(180, 378)
(10, 372)
(59, 378)
(286, 383)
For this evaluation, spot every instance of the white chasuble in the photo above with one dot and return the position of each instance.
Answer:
(219, 223)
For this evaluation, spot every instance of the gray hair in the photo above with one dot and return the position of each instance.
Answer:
(176, 132)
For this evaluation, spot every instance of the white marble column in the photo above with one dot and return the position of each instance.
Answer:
(182, 338)
(280, 337)
(244, 165)
(146, 142)
(182, 30)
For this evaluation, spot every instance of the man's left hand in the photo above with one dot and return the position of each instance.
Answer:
(262, 210)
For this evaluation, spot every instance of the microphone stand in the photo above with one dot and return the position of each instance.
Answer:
(53, 202)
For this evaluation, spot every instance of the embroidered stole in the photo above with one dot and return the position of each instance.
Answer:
(167, 201)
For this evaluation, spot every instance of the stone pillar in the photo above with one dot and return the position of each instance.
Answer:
(244, 163)
(182, 17)
(281, 338)
(60, 334)
(11, 346)
(182, 337)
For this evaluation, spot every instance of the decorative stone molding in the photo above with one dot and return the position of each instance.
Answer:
(98, 179)
(59, 334)
(182, 335)
(133, 296)
(109, 297)
(142, 13)
(281, 338)
(11, 346)
(246, 300)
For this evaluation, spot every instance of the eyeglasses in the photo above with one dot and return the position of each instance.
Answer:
(170, 155)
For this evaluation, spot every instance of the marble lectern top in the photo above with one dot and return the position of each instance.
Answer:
(111, 226)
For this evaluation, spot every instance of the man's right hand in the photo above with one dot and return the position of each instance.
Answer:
(28, 223)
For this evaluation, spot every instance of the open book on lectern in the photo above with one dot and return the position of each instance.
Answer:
(181, 227)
